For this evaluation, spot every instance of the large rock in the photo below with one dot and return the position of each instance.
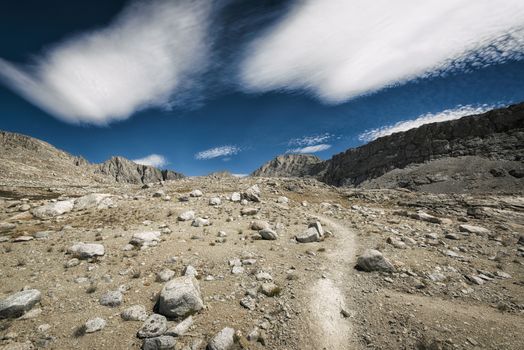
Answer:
(268, 234)
(17, 304)
(112, 298)
(147, 238)
(308, 236)
(223, 340)
(93, 200)
(186, 216)
(373, 260)
(180, 297)
(252, 194)
(51, 210)
(86, 250)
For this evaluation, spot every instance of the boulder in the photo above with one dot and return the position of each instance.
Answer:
(236, 197)
(308, 236)
(147, 238)
(186, 216)
(373, 260)
(258, 225)
(214, 201)
(154, 326)
(51, 210)
(111, 298)
(94, 325)
(223, 340)
(86, 250)
(268, 234)
(180, 297)
(200, 222)
(196, 193)
(134, 313)
(17, 304)
(181, 328)
(93, 200)
(164, 342)
(252, 194)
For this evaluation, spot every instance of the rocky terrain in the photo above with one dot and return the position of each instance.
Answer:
(471, 153)
(429, 255)
(261, 263)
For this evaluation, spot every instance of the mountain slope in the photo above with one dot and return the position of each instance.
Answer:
(27, 161)
(486, 150)
(289, 165)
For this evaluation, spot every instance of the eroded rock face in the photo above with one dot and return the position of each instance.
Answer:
(17, 304)
(180, 297)
(373, 260)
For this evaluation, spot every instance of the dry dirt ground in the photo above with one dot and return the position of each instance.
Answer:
(451, 289)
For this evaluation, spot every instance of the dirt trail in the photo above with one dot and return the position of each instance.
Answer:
(328, 295)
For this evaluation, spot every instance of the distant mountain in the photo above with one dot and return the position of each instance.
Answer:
(124, 170)
(290, 165)
(27, 161)
(480, 152)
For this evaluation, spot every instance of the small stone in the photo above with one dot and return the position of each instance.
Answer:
(165, 275)
(86, 250)
(258, 225)
(94, 325)
(164, 342)
(268, 234)
(235, 197)
(180, 297)
(190, 271)
(186, 216)
(154, 326)
(181, 328)
(248, 302)
(270, 289)
(72, 263)
(196, 193)
(282, 200)
(223, 340)
(481, 231)
(200, 222)
(111, 298)
(23, 239)
(214, 201)
(308, 236)
(237, 270)
(134, 313)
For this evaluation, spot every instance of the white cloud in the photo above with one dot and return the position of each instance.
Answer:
(153, 50)
(339, 49)
(310, 149)
(155, 160)
(216, 152)
(449, 114)
(310, 140)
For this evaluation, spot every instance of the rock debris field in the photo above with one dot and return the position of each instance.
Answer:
(259, 263)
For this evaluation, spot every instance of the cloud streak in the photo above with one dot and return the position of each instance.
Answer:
(310, 140)
(155, 160)
(449, 114)
(310, 149)
(339, 49)
(148, 57)
(217, 152)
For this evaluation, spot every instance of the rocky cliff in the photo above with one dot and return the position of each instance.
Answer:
(496, 135)
(124, 170)
(289, 165)
(480, 147)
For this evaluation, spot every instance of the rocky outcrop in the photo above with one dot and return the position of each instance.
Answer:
(290, 165)
(498, 134)
(124, 170)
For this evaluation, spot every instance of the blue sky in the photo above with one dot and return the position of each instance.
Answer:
(243, 82)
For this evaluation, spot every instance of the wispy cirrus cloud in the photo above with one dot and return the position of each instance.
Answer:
(217, 152)
(310, 140)
(448, 114)
(150, 56)
(310, 149)
(155, 160)
(339, 49)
